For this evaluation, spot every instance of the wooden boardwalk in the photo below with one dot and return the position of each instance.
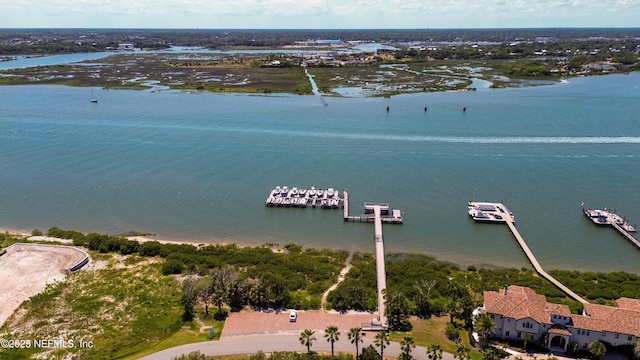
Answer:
(380, 268)
(509, 220)
(538, 268)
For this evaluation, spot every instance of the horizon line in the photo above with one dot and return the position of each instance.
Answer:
(331, 29)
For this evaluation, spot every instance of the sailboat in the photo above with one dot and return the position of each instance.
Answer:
(93, 98)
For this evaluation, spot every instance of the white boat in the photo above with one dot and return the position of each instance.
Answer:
(285, 191)
(330, 192)
(286, 202)
(312, 191)
(93, 98)
(294, 191)
(277, 190)
(319, 192)
(334, 203)
(302, 192)
(278, 201)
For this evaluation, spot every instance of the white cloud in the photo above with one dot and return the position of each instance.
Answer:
(301, 13)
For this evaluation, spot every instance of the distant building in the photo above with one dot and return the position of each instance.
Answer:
(319, 43)
(127, 47)
(517, 310)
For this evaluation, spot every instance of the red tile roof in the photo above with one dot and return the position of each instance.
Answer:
(521, 302)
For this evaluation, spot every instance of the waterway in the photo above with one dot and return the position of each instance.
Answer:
(197, 166)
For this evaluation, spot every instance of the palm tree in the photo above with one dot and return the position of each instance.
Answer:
(485, 326)
(462, 353)
(526, 337)
(435, 352)
(597, 349)
(355, 335)
(636, 351)
(381, 341)
(332, 334)
(407, 345)
(307, 338)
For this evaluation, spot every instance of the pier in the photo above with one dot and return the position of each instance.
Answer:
(373, 213)
(507, 217)
(377, 214)
(387, 215)
(611, 219)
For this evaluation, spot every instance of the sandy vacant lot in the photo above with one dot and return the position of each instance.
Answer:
(245, 323)
(26, 269)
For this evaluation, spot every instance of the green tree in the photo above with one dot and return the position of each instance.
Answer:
(597, 349)
(222, 280)
(205, 291)
(397, 311)
(407, 345)
(485, 326)
(369, 353)
(356, 336)
(434, 352)
(332, 334)
(307, 338)
(490, 354)
(462, 353)
(189, 298)
(381, 340)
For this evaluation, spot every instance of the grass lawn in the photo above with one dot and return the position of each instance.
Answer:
(431, 331)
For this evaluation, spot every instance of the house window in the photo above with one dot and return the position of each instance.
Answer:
(519, 334)
(588, 333)
(493, 317)
(604, 334)
(507, 333)
(617, 336)
(629, 338)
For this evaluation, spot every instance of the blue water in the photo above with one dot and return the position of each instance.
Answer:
(198, 166)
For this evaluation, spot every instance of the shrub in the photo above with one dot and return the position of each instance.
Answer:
(452, 332)
(36, 232)
(149, 248)
(172, 266)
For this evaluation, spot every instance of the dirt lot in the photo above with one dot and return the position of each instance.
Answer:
(25, 271)
(245, 323)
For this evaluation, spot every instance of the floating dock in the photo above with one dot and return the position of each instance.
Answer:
(489, 212)
(303, 197)
(507, 217)
(611, 219)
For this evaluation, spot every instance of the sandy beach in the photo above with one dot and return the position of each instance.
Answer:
(26, 270)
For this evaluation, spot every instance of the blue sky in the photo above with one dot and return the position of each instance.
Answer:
(318, 14)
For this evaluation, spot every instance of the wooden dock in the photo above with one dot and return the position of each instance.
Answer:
(611, 219)
(380, 268)
(509, 220)
(390, 216)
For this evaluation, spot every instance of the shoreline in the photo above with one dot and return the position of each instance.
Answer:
(274, 246)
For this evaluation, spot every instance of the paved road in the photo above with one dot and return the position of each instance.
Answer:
(250, 344)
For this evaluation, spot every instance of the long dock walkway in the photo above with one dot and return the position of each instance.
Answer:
(509, 220)
(380, 267)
